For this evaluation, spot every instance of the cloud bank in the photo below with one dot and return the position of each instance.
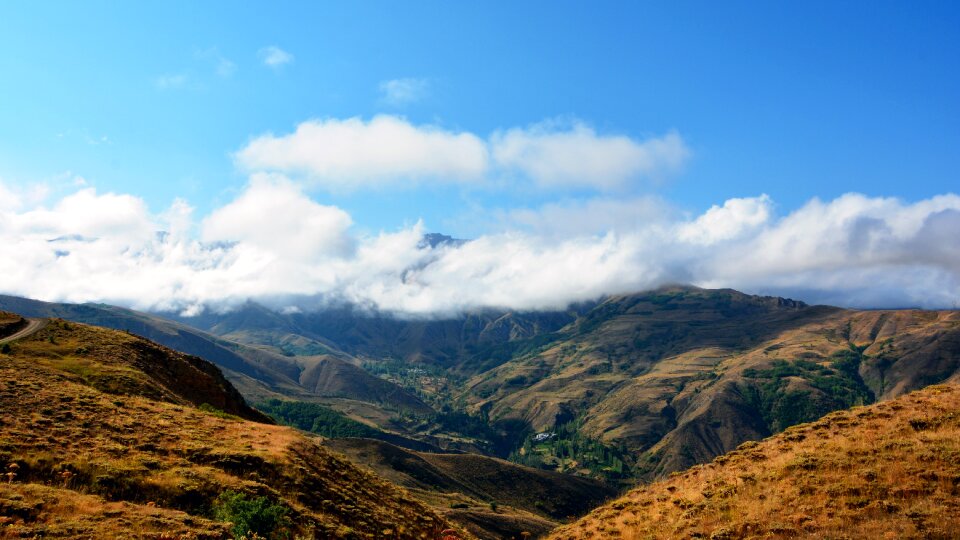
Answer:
(275, 244)
(579, 157)
(354, 153)
(342, 154)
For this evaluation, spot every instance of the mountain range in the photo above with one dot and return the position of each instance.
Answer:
(667, 378)
(626, 389)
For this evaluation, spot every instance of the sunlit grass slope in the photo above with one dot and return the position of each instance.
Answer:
(890, 470)
(107, 435)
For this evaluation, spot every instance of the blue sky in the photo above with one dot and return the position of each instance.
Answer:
(814, 100)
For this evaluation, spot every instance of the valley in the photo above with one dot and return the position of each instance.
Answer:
(510, 423)
(638, 386)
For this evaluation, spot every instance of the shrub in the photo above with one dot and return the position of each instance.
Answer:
(208, 408)
(317, 419)
(251, 515)
(839, 386)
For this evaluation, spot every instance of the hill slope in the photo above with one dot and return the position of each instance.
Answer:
(891, 470)
(680, 375)
(258, 373)
(636, 385)
(101, 436)
(463, 486)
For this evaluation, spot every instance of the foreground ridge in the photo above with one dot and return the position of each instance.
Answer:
(891, 470)
(107, 435)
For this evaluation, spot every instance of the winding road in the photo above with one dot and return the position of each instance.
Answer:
(33, 325)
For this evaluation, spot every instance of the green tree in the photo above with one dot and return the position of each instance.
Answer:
(251, 515)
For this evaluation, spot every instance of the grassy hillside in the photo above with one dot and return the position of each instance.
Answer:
(101, 436)
(493, 498)
(677, 376)
(627, 337)
(330, 376)
(890, 470)
(635, 386)
(258, 372)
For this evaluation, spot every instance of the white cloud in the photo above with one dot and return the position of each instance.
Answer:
(576, 156)
(400, 92)
(274, 57)
(85, 213)
(850, 233)
(344, 154)
(9, 198)
(733, 219)
(274, 216)
(272, 242)
(354, 153)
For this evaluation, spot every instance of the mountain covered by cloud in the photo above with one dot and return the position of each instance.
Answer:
(276, 244)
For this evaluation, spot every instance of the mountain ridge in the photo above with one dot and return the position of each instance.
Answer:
(643, 384)
(102, 436)
(258, 372)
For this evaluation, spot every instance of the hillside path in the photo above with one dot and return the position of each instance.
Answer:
(33, 325)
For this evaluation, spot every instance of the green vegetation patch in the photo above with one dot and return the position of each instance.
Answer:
(317, 419)
(565, 449)
(208, 408)
(839, 385)
(252, 515)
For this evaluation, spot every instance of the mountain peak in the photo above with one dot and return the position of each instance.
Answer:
(434, 240)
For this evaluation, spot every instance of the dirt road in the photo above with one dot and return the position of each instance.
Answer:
(33, 325)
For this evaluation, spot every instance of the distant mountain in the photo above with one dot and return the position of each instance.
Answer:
(677, 376)
(108, 435)
(660, 380)
(434, 240)
(259, 372)
(467, 344)
(631, 386)
(885, 471)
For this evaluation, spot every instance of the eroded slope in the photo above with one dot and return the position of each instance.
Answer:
(491, 497)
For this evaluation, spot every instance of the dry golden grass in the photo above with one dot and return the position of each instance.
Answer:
(34, 510)
(100, 449)
(891, 470)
